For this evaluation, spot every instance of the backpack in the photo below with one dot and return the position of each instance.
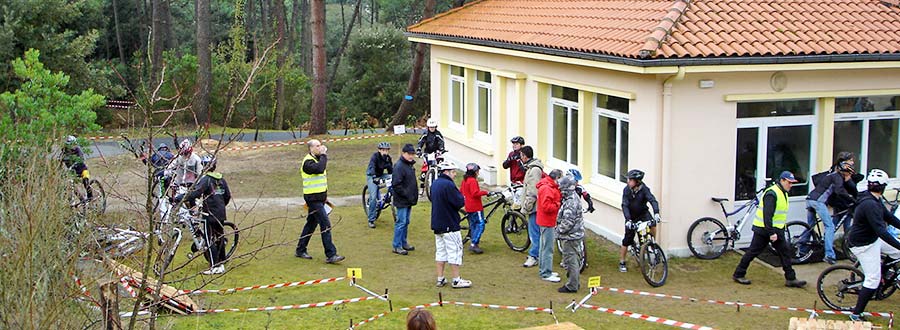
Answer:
(817, 178)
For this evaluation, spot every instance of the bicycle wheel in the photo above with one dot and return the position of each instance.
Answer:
(707, 238)
(97, 204)
(365, 203)
(890, 279)
(429, 179)
(514, 228)
(838, 286)
(231, 239)
(801, 239)
(654, 265)
(845, 248)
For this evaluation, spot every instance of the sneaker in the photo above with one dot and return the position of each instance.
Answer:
(214, 270)
(565, 289)
(530, 262)
(303, 255)
(622, 268)
(334, 259)
(372, 224)
(461, 283)
(400, 251)
(551, 278)
(554, 274)
(220, 269)
(409, 248)
(475, 249)
(441, 282)
(857, 318)
(795, 283)
(829, 261)
(741, 280)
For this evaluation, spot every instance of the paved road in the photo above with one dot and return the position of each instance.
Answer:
(111, 147)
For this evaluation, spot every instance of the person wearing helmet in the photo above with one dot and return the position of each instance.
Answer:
(406, 195)
(634, 207)
(472, 193)
(380, 169)
(213, 190)
(187, 166)
(446, 200)
(512, 163)
(432, 141)
(768, 229)
(831, 184)
(580, 191)
(73, 158)
(160, 159)
(869, 237)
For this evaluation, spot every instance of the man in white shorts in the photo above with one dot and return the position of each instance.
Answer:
(446, 200)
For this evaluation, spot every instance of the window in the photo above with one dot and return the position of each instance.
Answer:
(485, 93)
(773, 137)
(611, 114)
(564, 124)
(457, 95)
(868, 127)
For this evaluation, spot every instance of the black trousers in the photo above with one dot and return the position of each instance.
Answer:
(759, 243)
(317, 217)
(215, 239)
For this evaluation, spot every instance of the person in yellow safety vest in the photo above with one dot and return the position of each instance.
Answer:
(315, 193)
(768, 227)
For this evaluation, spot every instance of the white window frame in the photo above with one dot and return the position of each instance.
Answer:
(763, 124)
(865, 117)
(570, 106)
(619, 117)
(460, 126)
(490, 107)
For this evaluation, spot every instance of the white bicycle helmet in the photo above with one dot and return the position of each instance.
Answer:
(71, 139)
(877, 177)
(447, 165)
(431, 122)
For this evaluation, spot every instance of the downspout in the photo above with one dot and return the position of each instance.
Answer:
(666, 145)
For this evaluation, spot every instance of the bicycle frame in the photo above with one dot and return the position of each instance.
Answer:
(734, 230)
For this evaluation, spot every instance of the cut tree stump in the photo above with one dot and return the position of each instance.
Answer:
(800, 323)
(170, 297)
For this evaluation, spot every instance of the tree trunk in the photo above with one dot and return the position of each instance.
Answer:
(416, 75)
(252, 28)
(109, 305)
(204, 63)
(115, 10)
(320, 88)
(278, 116)
(305, 38)
(294, 26)
(340, 53)
(171, 42)
(157, 41)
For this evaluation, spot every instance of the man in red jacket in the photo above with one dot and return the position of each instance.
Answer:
(516, 171)
(474, 208)
(548, 203)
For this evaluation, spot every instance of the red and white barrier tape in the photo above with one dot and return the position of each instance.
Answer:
(730, 303)
(128, 287)
(84, 290)
(649, 318)
(96, 138)
(373, 318)
(258, 287)
(514, 308)
(287, 307)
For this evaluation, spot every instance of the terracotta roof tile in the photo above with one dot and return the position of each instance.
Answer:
(678, 28)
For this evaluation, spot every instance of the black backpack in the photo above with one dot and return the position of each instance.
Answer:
(817, 178)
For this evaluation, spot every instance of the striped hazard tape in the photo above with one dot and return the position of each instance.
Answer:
(648, 318)
(286, 307)
(731, 303)
(127, 287)
(99, 138)
(373, 318)
(270, 286)
(514, 308)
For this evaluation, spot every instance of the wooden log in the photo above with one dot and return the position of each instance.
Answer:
(109, 305)
(170, 296)
(801, 323)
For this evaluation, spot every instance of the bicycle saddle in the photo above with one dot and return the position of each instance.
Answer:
(719, 200)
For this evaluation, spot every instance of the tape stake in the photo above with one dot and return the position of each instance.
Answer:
(441, 298)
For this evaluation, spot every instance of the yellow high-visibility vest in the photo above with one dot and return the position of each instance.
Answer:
(313, 183)
(779, 219)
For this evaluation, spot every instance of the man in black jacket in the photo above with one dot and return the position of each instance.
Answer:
(869, 238)
(830, 184)
(315, 193)
(213, 188)
(405, 196)
(380, 169)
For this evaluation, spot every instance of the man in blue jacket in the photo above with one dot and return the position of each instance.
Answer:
(446, 200)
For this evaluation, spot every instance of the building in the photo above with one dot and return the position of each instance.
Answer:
(709, 97)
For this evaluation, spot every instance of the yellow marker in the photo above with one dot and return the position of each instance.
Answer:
(354, 273)
(594, 282)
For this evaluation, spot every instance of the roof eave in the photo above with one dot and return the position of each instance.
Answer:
(658, 62)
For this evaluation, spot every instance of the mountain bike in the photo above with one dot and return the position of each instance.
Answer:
(429, 169)
(708, 238)
(118, 242)
(79, 200)
(653, 261)
(804, 239)
(191, 220)
(838, 286)
(382, 199)
(513, 224)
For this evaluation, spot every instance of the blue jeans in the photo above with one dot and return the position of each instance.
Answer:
(373, 194)
(400, 227)
(534, 234)
(822, 210)
(545, 262)
(476, 226)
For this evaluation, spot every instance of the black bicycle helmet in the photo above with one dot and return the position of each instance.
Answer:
(518, 139)
(384, 145)
(208, 162)
(471, 168)
(635, 175)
